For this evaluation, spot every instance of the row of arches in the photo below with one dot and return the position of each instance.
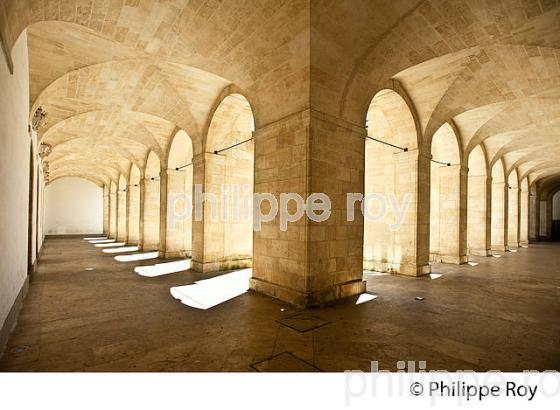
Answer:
(153, 207)
(448, 203)
(459, 202)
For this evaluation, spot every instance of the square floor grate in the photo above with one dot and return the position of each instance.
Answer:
(302, 322)
(284, 362)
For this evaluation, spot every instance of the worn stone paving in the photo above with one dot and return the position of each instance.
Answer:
(501, 314)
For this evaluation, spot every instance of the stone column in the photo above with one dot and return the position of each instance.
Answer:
(524, 199)
(499, 216)
(452, 214)
(113, 215)
(133, 214)
(141, 212)
(479, 215)
(412, 238)
(122, 232)
(211, 250)
(513, 217)
(151, 214)
(163, 214)
(106, 211)
(533, 216)
(179, 224)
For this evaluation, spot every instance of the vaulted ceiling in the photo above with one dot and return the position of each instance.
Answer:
(119, 78)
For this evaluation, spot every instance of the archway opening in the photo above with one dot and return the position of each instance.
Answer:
(390, 201)
(446, 211)
(134, 206)
(179, 197)
(499, 208)
(524, 205)
(151, 203)
(229, 179)
(478, 204)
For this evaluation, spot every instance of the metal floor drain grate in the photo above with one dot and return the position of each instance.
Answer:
(284, 362)
(302, 322)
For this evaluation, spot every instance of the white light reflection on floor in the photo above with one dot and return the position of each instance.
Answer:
(102, 241)
(208, 293)
(109, 245)
(473, 263)
(435, 276)
(166, 268)
(497, 256)
(513, 250)
(95, 238)
(373, 273)
(137, 257)
(365, 297)
(121, 249)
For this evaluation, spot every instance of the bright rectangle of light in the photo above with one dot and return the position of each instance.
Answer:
(102, 241)
(109, 245)
(122, 249)
(137, 257)
(166, 268)
(208, 293)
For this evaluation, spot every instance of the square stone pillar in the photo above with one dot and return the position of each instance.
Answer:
(499, 216)
(113, 215)
(179, 224)
(133, 215)
(213, 249)
(524, 200)
(412, 238)
(479, 215)
(106, 211)
(452, 214)
(513, 217)
(309, 263)
(122, 233)
(151, 215)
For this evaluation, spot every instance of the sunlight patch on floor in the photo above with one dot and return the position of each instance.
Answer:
(109, 245)
(137, 257)
(434, 276)
(122, 249)
(365, 297)
(101, 240)
(208, 293)
(373, 273)
(166, 268)
(95, 238)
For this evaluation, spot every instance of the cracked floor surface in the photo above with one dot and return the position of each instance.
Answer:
(500, 314)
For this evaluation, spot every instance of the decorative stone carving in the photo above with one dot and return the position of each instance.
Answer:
(44, 150)
(38, 118)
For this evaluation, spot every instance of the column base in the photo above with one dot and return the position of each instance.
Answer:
(451, 259)
(480, 252)
(499, 248)
(307, 300)
(398, 268)
(174, 254)
(513, 245)
(524, 244)
(224, 265)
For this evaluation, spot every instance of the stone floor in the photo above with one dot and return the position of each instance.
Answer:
(501, 314)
